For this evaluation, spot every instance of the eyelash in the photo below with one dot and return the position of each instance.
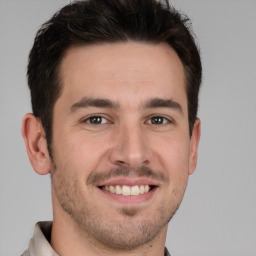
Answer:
(88, 119)
(164, 120)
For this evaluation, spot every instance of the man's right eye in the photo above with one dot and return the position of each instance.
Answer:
(96, 120)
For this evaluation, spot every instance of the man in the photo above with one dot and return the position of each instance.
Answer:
(114, 90)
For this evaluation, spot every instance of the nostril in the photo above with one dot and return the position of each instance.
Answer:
(146, 162)
(121, 163)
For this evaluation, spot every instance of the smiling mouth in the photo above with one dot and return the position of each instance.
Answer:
(128, 190)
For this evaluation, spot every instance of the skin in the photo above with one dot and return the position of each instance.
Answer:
(133, 142)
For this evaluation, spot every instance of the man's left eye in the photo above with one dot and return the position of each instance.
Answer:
(157, 120)
(96, 120)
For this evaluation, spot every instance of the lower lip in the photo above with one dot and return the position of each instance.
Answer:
(129, 200)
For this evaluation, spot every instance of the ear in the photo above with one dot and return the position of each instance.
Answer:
(194, 142)
(36, 145)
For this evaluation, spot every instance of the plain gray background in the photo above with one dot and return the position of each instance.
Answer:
(218, 214)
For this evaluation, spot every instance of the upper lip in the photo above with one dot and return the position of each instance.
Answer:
(128, 182)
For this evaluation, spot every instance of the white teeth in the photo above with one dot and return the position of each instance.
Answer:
(142, 189)
(135, 191)
(126, 190)
(112, 189)
(118, 190)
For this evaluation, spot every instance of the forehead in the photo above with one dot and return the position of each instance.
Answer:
(122, 70)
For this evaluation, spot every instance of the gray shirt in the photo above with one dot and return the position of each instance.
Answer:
(39, 244)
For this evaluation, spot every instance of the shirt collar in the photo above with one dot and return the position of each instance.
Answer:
(40, 242)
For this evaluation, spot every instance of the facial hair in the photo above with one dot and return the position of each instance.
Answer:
(128, 231)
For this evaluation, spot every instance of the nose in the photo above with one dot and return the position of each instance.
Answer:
(130, 148)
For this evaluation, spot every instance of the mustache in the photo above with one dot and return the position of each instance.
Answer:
(143, 171)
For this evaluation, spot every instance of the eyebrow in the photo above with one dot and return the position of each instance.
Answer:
(106, 103)
(163, 103)
(93, 102)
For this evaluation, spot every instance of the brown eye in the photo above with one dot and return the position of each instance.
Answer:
(158, 120)
(96, 120)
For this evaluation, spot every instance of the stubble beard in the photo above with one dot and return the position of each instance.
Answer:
(126, 233)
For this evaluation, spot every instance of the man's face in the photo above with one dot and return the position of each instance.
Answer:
(120, 128)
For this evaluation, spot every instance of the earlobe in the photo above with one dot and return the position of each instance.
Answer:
(194, 142)
(36, 145)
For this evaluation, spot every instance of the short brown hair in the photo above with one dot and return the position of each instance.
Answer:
(98, 21)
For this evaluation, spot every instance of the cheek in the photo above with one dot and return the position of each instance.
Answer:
(173, 156)
(172, 153)
(78, 153)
